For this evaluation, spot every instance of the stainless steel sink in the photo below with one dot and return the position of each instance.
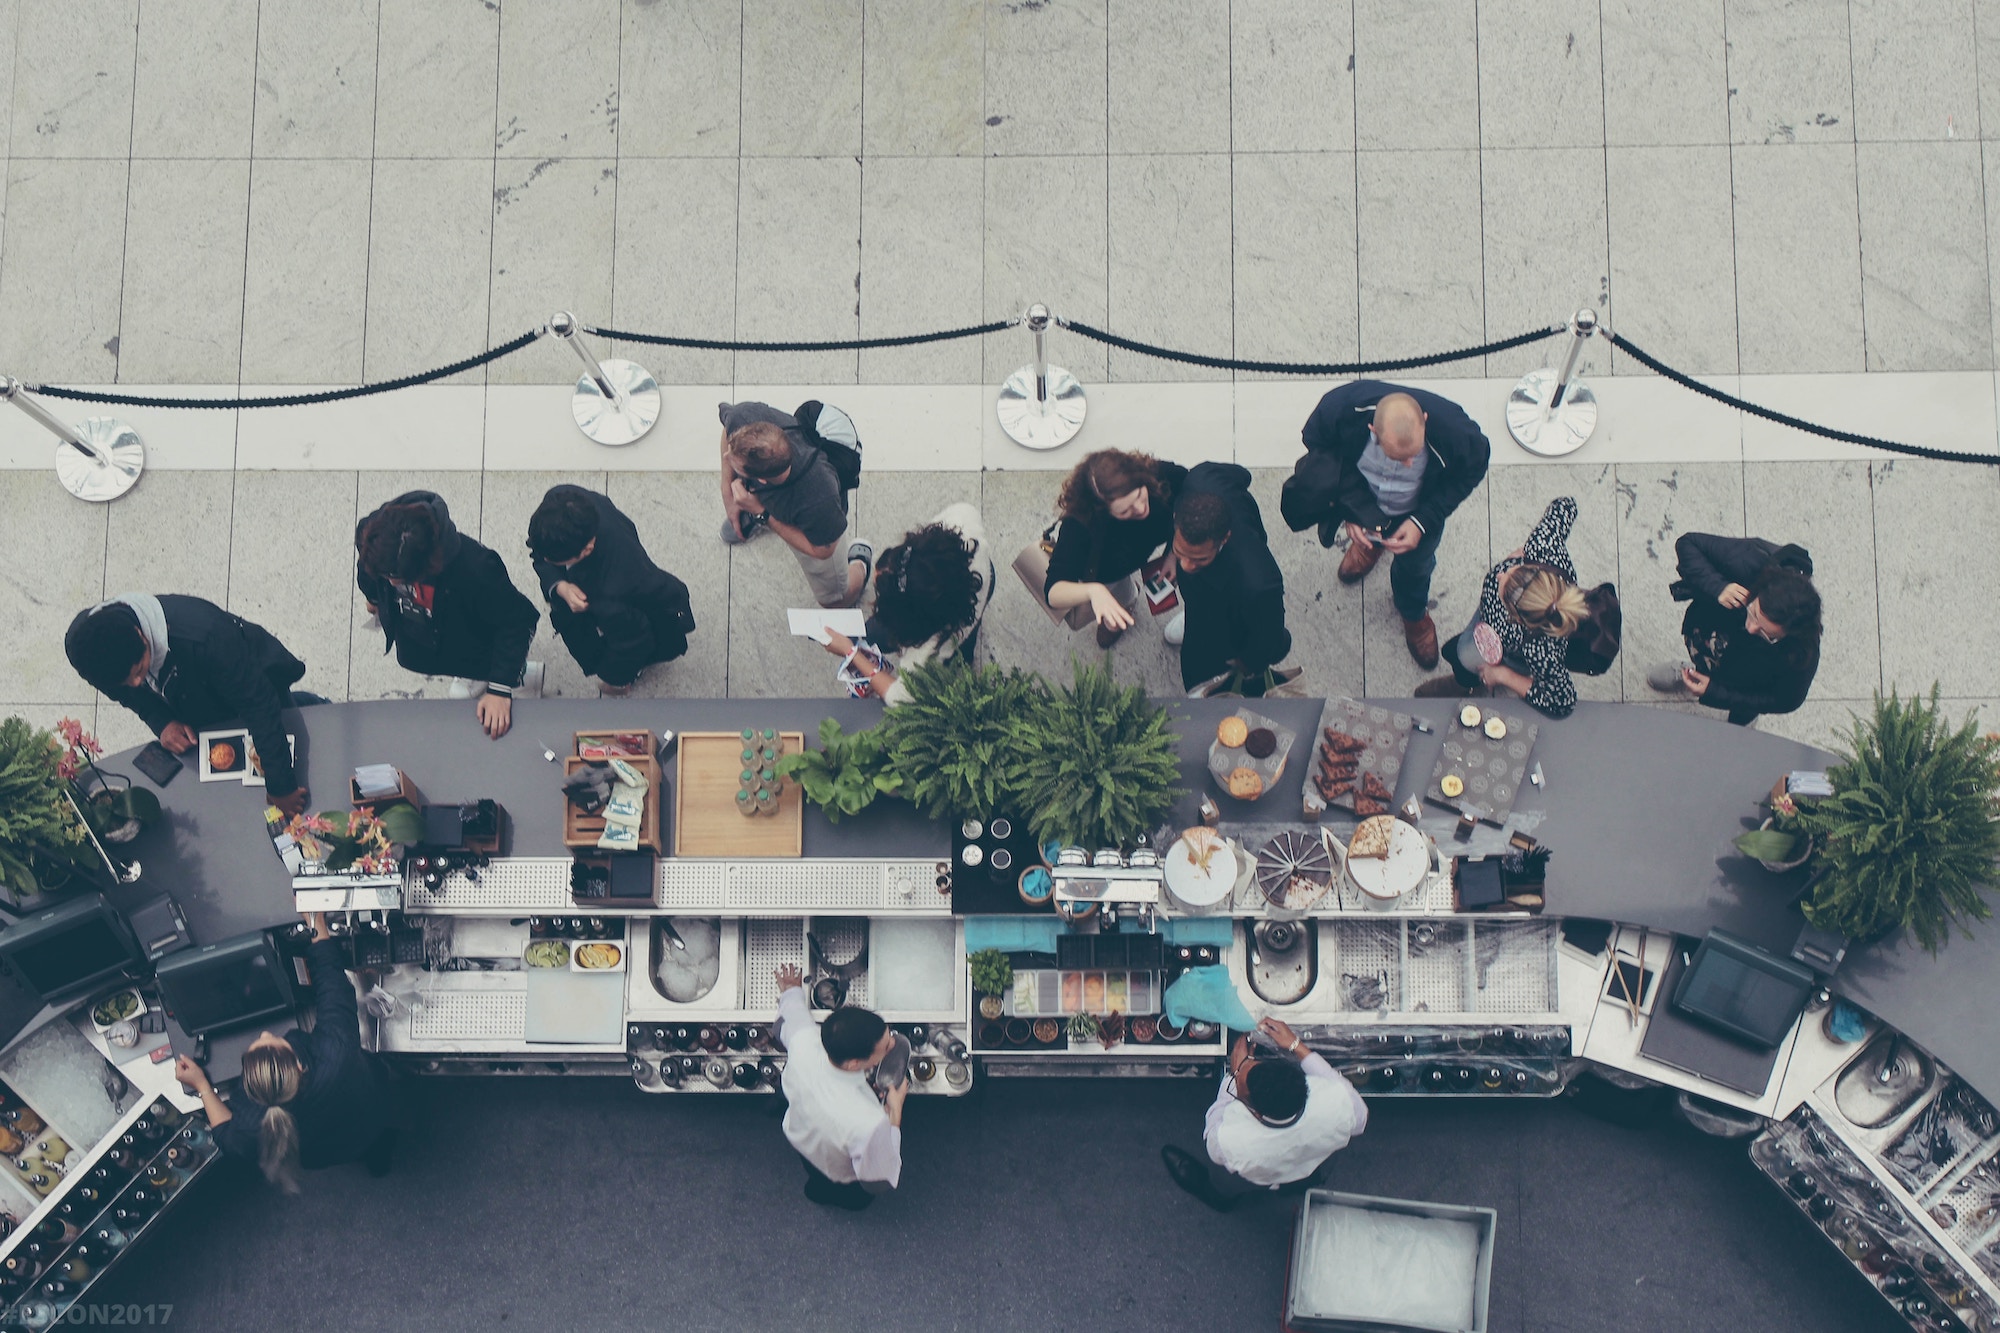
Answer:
(1883, 1082)
(1283, 960)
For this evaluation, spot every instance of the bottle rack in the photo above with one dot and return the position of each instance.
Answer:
(142, 1172)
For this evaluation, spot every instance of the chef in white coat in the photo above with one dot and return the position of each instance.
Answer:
(1274, 1122)
(850, 1137)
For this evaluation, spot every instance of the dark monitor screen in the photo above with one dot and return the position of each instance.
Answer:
(1744, 991)
(229, 985)
(68, 949)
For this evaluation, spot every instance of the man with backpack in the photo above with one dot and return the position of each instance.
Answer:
(791, 474)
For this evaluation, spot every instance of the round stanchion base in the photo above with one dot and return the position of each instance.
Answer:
(615, 423)
(1550, 434)
(120, 459)
(1048, 425)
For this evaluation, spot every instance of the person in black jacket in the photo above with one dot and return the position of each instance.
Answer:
(185, 665)
(615, 609)
(1229, 581)
(310, 1099)
(446, 604)
(1752, 626)
(1389, 464)
(1116, 510)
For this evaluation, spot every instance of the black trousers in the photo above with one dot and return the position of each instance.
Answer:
(822, 1189)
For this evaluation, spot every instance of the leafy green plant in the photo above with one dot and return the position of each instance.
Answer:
(846, 774)
(1768, 844)
(1095, 762)
(1908, 837)
(40, 838)
(992, 972)
(949, 741)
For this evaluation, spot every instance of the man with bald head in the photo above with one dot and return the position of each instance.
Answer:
(1387, 465)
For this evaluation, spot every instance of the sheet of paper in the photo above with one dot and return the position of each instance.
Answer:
(814, 622)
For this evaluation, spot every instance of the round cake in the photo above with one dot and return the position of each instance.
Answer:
(1232, 731)
(1261, 743)
(1294, 870)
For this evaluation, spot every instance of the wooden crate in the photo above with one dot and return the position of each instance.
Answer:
(706, 820)
(581, 830)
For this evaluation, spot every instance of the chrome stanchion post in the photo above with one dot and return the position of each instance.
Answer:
(616, 401)
(1041, 406)
(1553, 412)
(98, 460)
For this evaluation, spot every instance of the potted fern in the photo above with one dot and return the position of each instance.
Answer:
(847, 772)
(1909, 837)
(949, 743)
(1095, 763)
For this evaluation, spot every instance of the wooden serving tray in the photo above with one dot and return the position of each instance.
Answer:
(706, 820)
(581, 830)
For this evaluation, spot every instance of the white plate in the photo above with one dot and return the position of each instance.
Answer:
(1188, 883)
(1409, 860)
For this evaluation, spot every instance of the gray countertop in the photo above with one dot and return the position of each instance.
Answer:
(1639, 810)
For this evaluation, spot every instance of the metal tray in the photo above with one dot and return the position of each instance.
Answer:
(1493, 770)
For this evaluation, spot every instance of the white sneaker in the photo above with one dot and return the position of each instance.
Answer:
(462, 688)
(1176, 629)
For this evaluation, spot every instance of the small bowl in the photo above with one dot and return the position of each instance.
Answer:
(1002, 859)
(1198, 1030)
(1047, 1030)
(1036, 885)
(971, 829)
(1019, 1031)
(1144, 1028)
(1000, 829)
(1165, 1029)
(990, 1035)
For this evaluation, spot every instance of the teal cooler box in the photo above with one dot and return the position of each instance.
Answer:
(1362, 1264)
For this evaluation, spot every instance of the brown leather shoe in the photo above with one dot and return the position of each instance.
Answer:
(1422, 636)
(1106, 636)
(1354, 566)
(1442, 687)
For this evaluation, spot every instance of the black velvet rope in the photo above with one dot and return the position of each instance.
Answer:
(295, 399)
(844, 345)
(1329, 368)
(1846, 437)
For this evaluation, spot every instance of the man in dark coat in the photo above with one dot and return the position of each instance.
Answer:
(615, 609)
(446, 604)
(1752, 627)
(1389, 464)
(185, 665)
(1228, 579)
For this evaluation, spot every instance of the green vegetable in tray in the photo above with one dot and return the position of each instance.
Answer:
(992, 971)
(547, 953)
(115, 1008)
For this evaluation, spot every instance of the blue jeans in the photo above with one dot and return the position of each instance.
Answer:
(1410, 576)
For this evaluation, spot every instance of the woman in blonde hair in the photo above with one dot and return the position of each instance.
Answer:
(1532, 605)
(309, 1099)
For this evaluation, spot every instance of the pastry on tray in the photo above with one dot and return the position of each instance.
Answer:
(1333, 791)
(1232, 731)
(1364, 805)
(1342, 743)
(1371, 838)
(1261, 743)
(1375, 789)
(1245, 784)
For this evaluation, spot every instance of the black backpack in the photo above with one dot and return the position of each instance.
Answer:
(832, 432)
(1594, 647)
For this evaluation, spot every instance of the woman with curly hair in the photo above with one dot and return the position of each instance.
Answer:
(931, 589)
(1116, 510)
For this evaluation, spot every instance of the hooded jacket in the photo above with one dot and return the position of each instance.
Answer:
(1751, 676)
(1326, 486)
(220, 669)
(1236, 604)
(638, 613)
(477, 624)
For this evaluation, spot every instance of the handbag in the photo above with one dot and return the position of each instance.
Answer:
(1032, 564)
(1271, 683)
(1594, 647)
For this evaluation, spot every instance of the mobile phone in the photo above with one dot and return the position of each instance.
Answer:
(157, 762)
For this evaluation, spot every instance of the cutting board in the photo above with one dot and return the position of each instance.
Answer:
(575, 1008)
(706, 820)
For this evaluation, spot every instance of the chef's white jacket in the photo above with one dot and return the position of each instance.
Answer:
(1239, 1142)
(834, 1120)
